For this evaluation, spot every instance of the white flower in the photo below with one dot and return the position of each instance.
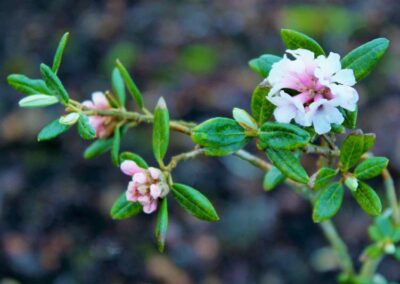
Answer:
(321, 85)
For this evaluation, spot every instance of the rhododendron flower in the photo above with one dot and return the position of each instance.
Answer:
(320, 85)
(146, 187)
(103, 125)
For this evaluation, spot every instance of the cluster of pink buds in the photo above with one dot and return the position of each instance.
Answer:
(103, 125)
(146, 187)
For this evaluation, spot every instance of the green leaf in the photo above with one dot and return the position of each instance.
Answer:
(263, 64)
(282, 136)
(294, 40)
(273, 178)
(28, 86)
(34, 101)
(364, 58)
(372, 251)
(350, 118)
(374, 233)
(368, 200)
(133, 157)
(122, 208)
(261, 107)
(161, 225)
(98, 147)
(353, 147)
(54, 83)
(118, 86)
(194, 202)
(130, 84)
(115, 147)
(52, 130)
(328, 202)
(324, 176)
(85, 130)
(371, 167)
(59, 52)
(369, 141)
(160, 131)
(288, 164)
(220, 136)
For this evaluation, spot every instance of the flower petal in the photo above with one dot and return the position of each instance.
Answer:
(130, 168)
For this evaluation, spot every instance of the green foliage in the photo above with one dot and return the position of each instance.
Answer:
(115, 146)
(27, 85)
(262, 65)
(59, 53)
(52, 130)
(367, 199)
(160, 131)
(220, 136)
(244, 119)
(85, 130)
(295, 40)
(371, 167)
(54, 83)
(118, 86)
(282, 136)
(288, 164)
(323, 177)
(194, 202)
(134, 157)
(261, 107)
(161, 229)
(34, 101)
(353, 147)
(364, 58)
(328, 202)
(350, 118)
(123, 209)
(273, 178)
(98, 147)
(130, 84)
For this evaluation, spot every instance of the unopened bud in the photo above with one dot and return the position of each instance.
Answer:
(69, 119)
(244, 119)
(352, 183)
(389, 248)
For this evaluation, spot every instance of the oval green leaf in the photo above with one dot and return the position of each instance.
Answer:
(39, 100)
(371, 167)
(273, 178)
(85, 130)
(353, 147)
(262, 65)
(368, 200)
(364, 58)
(54, 83)
(97, 148)
(59, 53)
(52, 130)
(288, 164)
(294, 40)
(160, 131)
(28, 86)
(282, 136)
(194, 202)
(328, 202)
(323, 177)
(261, 107)
(134, 157)
(220, 136)
(122, 208)
(130, 84)
(161, 229)
(118, 86)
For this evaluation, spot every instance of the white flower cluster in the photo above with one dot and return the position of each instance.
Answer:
(319, 86)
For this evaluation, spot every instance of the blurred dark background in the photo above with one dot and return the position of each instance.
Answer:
(54, 205)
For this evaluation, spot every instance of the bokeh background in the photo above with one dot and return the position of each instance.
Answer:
(54, 222)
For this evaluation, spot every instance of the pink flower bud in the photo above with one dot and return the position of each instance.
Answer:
(130, 168)
(155, 191)
(150, 208)
(154, 173)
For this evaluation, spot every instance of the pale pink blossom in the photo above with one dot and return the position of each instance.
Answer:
(320, 86)
(147, 185)
(103, 125)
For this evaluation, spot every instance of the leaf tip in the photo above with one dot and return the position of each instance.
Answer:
(161, 103)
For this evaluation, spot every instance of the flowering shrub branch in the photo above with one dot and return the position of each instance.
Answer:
(312, 98)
